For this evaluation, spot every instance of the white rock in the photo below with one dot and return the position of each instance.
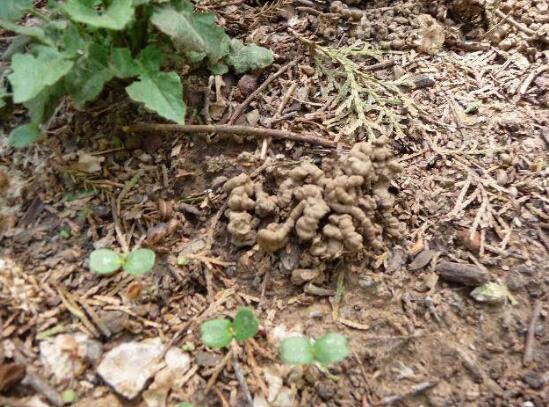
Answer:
(67, 356)
(129, 366)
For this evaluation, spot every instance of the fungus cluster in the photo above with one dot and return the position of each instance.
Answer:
(336, 209)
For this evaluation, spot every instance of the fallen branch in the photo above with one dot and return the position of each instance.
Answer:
(228, 129)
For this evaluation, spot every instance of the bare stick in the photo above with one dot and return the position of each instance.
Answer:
(228, 129)
(238, 111)
(281, 106)
(526, 84)
(415, 390)
(242, 382)
(218, 369)
(529, 346)
(522, 27)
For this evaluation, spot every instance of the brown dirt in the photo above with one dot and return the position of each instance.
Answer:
(474, 190)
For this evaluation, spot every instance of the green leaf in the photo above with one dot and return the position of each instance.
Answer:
(105, 261)
(139, 262)
(245, 324)
(44, 104)
(296, 350)
(74, 41)
(31, 75)
(24, 135)
(114, 17)
(192, 31)
(3, 94)
(218, 69)
(36, 33)
(216, 333)
(68, 396)
(249, 57)
(150, 59)
(330, 348)
(162, 93)
(123, 64)
(184, 405)
(90, 74)
(12, 10)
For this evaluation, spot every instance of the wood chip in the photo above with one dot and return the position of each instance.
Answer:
(466, 274)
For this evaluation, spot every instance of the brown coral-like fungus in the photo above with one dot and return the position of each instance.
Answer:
(341, 209)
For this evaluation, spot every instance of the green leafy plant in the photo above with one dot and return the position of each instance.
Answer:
(218, 333)
(136, 263)
(79, 46)
(326, 350)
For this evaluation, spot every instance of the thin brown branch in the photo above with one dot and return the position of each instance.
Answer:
(228, 129)
(238, 111)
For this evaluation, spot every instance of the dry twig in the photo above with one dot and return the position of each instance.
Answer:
(530, 338)
(227, 129)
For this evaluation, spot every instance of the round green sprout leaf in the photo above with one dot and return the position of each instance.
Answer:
(105, 261)
(245, 324)
(68, 396)
(330, 348)
(216, 333)
(139, 262)
(296, 350)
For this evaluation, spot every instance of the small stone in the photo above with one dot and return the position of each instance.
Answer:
(515, 281)
(301, 276)
(219, 181)
(66, 356)
(533, 379)
(247, 84)
(145, 158)
(177, 360)
(501, 177)
(326, 390)
(490, 293)
(506, 158)
(128, 367)
(207, 359)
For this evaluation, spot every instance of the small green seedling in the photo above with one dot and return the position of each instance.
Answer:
(107, 261)
(326, 350)
(218, 333)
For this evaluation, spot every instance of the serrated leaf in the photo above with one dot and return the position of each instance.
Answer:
(31, 75)
(296, 350)
(245, 324)
(245, 58)
(216, 333)
(90, 74)
(192, 31)
(36, 33)
(44, 104)
(12, 10)
(139, 262)
(24, 135)
(114, 17)
(162, 93)
(105, 261)
(123, 64)
(330, 348)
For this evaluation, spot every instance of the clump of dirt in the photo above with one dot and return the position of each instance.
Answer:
(338, 209)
